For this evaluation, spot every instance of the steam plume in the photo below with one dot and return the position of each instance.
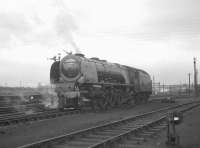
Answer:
(65, 26)
(50, 99)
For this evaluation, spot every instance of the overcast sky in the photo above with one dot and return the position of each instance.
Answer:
(159, 36)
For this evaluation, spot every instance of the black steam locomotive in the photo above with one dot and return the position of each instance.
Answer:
(80, 81)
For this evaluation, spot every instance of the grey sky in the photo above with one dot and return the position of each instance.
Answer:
(160, 36)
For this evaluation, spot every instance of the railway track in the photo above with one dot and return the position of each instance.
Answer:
(19, 108)
(15, 118)
(11, 118)
(7, 119)
(6, 109)
(123, 133)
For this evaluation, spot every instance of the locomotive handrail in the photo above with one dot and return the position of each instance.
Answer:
(102, 83)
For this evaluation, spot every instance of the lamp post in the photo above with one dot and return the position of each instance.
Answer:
(195, 79)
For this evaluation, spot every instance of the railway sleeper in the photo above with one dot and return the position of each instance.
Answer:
(139, 127)
(78, 144)
(146, 134)
(88, 140)
(98, 136)
(118, 130)
(128, 146)
(157, 129)
(64, 146)
(137, 138)
(138, 122)
(127, 128)
(133, 142)
(133, 125)
(163, 124)
(159, 126)
(109, 132)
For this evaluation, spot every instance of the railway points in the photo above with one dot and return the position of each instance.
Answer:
(115, 132)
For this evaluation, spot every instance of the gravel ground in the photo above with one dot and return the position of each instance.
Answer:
(189, 132)
(22, 134)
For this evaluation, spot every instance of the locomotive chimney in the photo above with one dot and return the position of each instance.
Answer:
(80, 55)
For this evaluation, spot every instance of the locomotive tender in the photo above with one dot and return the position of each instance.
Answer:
(80, 81)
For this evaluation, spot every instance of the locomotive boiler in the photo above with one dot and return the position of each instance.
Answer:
(80, 81)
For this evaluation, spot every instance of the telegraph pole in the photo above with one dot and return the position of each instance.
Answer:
(195, 79)
(163, 88)
(153, 84)
(189, 74)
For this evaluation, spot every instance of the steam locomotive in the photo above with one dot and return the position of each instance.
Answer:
(80, 81)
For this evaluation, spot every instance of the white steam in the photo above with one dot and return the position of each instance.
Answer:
(50, 99)
(65, 26)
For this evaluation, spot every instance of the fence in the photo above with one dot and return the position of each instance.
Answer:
(175, 90)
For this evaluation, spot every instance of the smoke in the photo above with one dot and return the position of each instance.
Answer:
(50, 99)
(66, 26)
(38, 27)
(30, 111)
(20, 105)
